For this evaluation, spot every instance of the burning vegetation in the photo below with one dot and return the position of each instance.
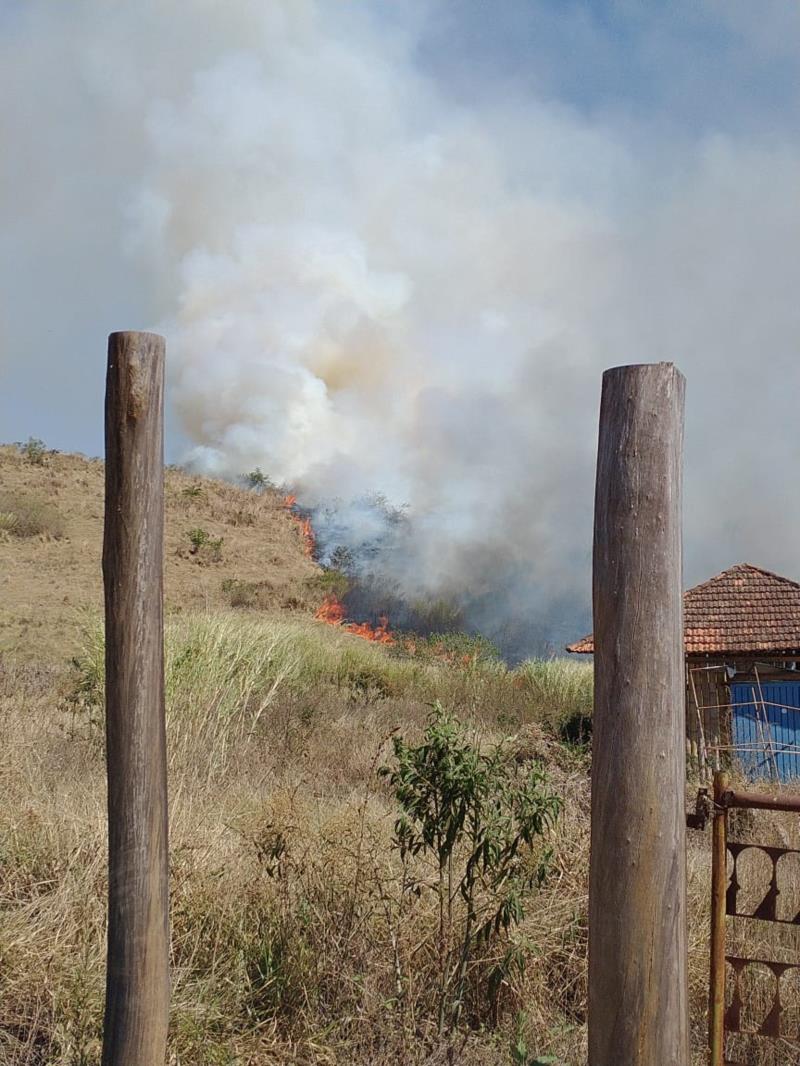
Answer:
(303, 522)
(332, 610)
(358, 595)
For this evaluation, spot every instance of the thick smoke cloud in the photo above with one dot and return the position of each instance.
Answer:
(368, 285)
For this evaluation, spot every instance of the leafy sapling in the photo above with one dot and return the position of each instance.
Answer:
(477, 818)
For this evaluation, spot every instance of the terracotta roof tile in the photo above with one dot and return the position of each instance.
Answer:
(743, 609)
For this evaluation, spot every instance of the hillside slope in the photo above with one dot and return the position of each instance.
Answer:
(51, 575)
(301, 933)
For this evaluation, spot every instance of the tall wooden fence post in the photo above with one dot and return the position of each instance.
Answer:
(137, 981)
(638, 988)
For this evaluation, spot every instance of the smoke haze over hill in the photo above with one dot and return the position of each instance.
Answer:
(380, 268)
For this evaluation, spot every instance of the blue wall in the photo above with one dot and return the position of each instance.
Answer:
(749, 729)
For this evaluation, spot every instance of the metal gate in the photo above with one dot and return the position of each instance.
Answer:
(726, 902)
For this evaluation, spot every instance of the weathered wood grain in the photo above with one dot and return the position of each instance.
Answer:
(638, 992)
(137, 983)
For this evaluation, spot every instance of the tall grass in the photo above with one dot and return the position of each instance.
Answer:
(295, 936)
(563, 691)
(225, 671)
(565, 685)
(292, 920)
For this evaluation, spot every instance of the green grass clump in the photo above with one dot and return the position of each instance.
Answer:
(228, 674)
(221, 675)
(437, 616)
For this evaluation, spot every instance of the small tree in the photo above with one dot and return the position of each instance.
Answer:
(34, 451)
(204, 546)
(257, 480)
(475, 817)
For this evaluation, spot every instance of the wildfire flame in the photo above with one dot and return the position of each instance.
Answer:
(303, 524)
(332, 611)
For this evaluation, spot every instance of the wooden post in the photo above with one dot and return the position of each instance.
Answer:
(719, 882)
(638, 987)
(137, 979)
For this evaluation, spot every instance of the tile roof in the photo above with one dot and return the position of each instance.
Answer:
(743, 609)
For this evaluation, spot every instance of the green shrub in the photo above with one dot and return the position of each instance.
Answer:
(203, 545)
(193, 492)
(475, 819)
(257, 480)
(29, 516)
(33, 451)
(198, 538)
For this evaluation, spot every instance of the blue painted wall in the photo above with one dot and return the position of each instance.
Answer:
(749, 729)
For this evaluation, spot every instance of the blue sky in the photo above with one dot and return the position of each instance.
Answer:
(694, 67)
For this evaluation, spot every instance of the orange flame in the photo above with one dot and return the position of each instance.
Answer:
(379, 633)
(303, 524)
(332, 611)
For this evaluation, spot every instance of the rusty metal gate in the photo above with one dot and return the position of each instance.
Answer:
(725, 903)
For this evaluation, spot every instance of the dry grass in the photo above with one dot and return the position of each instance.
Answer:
(288, 915)
(289, 925)
(24, 515)
(51, 531)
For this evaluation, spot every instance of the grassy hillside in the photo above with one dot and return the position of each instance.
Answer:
(290, 919)
(51, 531)
(301, 932)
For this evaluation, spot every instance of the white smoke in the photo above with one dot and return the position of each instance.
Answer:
(369, 287)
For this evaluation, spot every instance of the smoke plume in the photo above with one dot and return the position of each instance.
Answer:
(371, 282)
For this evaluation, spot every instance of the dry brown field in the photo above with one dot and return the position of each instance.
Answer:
(294, 938)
